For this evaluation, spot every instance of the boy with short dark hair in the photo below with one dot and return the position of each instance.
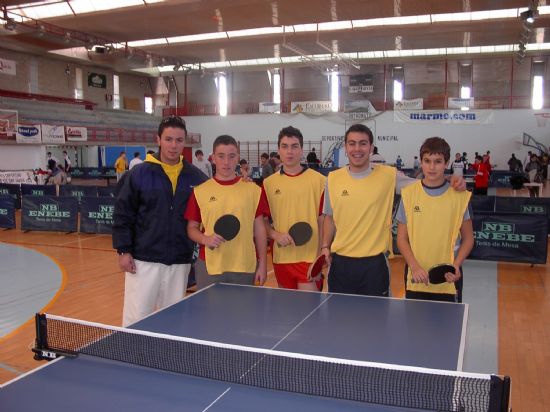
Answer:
(294, 194)
(431, 218)
(221, 260)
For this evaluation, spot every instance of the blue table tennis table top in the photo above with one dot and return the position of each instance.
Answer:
(386, 330)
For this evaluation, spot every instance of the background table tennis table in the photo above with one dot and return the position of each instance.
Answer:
(386, 330)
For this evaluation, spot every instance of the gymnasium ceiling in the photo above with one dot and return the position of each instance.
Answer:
(317, 33)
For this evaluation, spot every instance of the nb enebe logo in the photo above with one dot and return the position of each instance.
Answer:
(213, 199)
(344, 193)
(277, 192)
(416, 209)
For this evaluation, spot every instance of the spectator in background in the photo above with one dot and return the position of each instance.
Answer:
(487, 161)
(399, 162)
(527, 159)
(377, 157)
(464, 159)
(267, 169)
(202, 164)
(121, 164)
(244, 169)
(514, 164)
(481, 178)
(273, 161)
(416, 163)
(50, 157)
(544, 160)
(312, 160)
(135, 161)
(68, 164)
(457, 167)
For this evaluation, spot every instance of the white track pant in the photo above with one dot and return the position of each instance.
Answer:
(153, 287)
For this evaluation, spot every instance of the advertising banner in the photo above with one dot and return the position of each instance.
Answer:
(28, 134)
(13, 191)
(318, 106)
(458, 103)
(269, 107)
(7, 212)
(482, 203)
(38, 190)
(53, 134)
(409, 104)
(49, 213)
(97, 80)
(427, 117)
(96, 214)
(525, 205)
(510, 237)
(8, 67)
(76, 134)
(17, 177)
(106, 191)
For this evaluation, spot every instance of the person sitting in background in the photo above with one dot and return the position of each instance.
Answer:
(58, 176)
(534, 173)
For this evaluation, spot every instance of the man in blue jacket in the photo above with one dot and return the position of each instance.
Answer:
(149, 231)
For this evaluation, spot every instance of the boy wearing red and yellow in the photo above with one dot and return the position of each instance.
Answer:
(294, 194)
(431, 218)
(232, 261)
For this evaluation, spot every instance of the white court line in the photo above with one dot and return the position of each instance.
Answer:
(216, 400)
(80, 240)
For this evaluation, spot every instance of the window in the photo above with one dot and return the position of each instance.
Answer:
(116, 92)
(78, 89)
(221, 84)
(148, 104)
(334, 91)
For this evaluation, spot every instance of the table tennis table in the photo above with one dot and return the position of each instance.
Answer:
(393, 331)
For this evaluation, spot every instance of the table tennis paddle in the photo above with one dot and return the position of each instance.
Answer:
(300, 232)
(437, 273)
(227, 226)
(315, 271)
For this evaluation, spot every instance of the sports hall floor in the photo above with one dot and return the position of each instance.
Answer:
(91, 287)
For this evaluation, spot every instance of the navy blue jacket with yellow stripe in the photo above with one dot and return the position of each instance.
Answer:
(148, 218)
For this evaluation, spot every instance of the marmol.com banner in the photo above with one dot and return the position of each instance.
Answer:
(444, 116)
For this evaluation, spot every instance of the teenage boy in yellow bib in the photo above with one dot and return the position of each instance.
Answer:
(294, 194)
(242, 260)
(357, 223)
(431, 219)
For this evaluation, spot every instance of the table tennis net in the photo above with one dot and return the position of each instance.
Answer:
(385, 384)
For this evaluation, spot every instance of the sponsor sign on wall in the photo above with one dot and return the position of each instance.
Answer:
(361, 83)
(28, 134)
(7, 67)
(53, 134)
(409, 104)
(269, 107)
(17, 176)
(314, 106)
(476, 117)
(97, 80)
(76, 134)
(458, 103)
